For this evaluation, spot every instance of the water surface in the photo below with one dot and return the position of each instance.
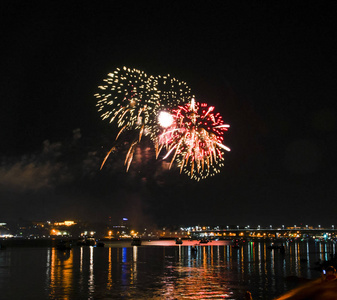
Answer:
(157, 270)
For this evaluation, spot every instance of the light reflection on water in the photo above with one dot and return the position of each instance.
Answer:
(157, 270)
(61, 273)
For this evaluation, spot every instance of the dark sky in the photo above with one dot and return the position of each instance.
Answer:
(268, 67)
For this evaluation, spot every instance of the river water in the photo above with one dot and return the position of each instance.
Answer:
(157, 270)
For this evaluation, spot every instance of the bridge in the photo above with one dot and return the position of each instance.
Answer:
(261, 233)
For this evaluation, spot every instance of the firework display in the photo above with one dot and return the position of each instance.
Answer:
(128, 97)
(164, 109)
(194, 139)
(131, 98)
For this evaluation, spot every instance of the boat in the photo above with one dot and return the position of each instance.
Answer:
(236, 246)
(100, 244)
(277, 247)
(63, 246)
(179, 241)
(136, 241)
(204, 241)
(86, 242)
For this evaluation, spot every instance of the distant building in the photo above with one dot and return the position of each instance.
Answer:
(65, 223)
(62, 228)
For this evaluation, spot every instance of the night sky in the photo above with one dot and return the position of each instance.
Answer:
(268, 67)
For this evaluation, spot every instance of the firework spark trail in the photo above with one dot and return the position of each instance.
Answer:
(106, 157)
(129, 155)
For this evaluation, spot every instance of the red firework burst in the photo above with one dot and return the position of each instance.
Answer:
(195, 139)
